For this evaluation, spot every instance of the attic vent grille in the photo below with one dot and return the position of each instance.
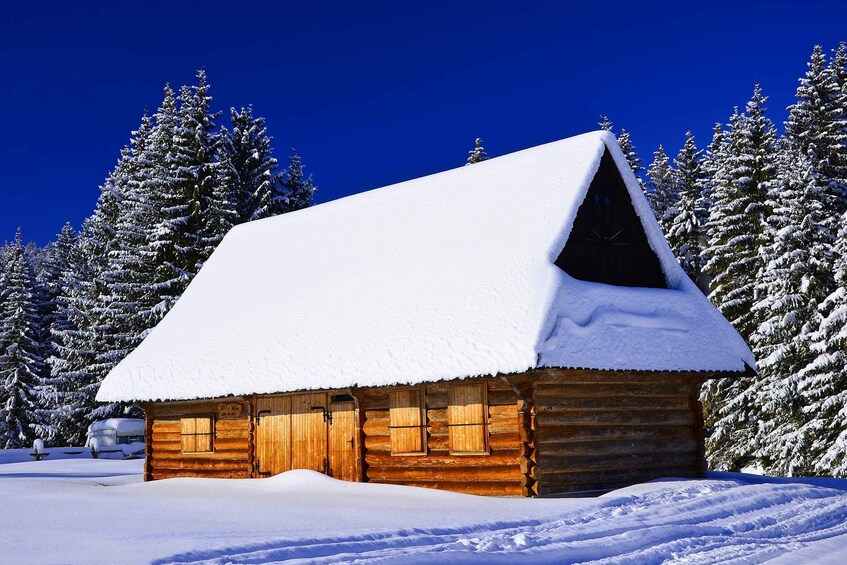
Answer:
(607, 243)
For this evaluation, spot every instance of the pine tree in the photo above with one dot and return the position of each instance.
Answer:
(21, 361)
(823, 382)
(685, 232)
(628, 149)
(792, 285)
(663, 191)
(816, 127)
(745, 173)
(298, 189)
(736, 225)
(248, 168)
(201, 202)
(477, 154)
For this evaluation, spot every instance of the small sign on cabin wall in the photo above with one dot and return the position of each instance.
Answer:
(229, 410)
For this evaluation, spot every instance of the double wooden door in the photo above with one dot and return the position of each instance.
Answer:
(315, 431)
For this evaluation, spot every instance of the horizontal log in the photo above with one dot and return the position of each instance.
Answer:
(233, 455)
(442, 459)
(554, 465)
(554, 435)
(568, 376)
(510, 488)
(606, 390)
(629, 418)
(616, 447)
(499, 473)
(505, 397)
(159, 474)
(600, 480)
(564, 404)
(506, 411)
(496, 442)
(199, 465)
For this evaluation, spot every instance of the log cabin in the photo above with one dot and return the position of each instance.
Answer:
(514, 327)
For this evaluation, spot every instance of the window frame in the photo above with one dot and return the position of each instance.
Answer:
(211, 434)
(486, 449)
(421, 390)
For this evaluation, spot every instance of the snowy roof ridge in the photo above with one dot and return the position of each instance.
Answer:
(446, 276)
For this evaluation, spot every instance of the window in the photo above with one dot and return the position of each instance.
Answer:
(406, 422)
(196, 434)
(467, 420)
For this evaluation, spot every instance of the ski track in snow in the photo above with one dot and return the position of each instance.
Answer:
(722, 522)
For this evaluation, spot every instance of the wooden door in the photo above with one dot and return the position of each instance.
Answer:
(342, 441)
(273, 434)
(309, 418)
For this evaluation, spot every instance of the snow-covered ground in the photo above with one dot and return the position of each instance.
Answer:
(72, 509)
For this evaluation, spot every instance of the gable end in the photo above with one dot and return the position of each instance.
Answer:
(607, 243)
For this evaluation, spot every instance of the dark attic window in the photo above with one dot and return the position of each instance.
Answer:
(607, 243)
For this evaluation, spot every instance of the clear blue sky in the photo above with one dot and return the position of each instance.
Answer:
(378, 92)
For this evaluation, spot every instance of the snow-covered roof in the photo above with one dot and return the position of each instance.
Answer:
(445, 276)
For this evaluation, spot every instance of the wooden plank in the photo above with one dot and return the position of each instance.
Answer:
(342, 441)
(406, 421)
(467, 418)
(273, 434)
(309, 432)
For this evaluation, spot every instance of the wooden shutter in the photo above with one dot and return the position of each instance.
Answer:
(467, 420)
(196, 434)
(406, 423)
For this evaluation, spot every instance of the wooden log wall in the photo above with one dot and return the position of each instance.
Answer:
(497, 473)
(232, 442)
(605, 430)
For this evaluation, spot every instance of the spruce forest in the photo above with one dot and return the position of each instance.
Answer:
(757, 219)
(69, 312)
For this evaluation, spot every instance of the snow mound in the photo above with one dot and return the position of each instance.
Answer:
(446, 276)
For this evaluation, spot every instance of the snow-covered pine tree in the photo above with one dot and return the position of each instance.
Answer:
(83, 345)
(823, 382)
(65, 341)
(52, 313)
(745, 171)
(248, 169)
(164, 249)
(21, 360)
(663, 192)
(628, 149)
(477, 154)
(816, 127)
(205, 207)
(793, 282)
(298, 189)
(685, 230)
(745, 175)
(625, 141)
(124, 309)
